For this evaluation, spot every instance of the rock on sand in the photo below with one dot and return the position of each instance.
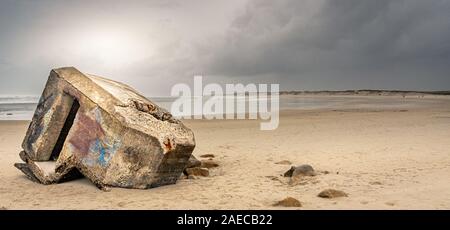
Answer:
(193, 162)
(332, 193)
(197, 171)
(209, 164)
(288, 202)
(302, 170)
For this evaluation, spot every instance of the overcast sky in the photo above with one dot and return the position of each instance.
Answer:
(300, 44)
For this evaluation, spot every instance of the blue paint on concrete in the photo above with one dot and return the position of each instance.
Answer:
(101, 157)
(104, 150)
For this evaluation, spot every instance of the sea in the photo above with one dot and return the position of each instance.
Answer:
(22, 107)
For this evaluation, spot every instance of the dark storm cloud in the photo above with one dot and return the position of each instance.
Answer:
(341, 43)
(301, 44)
(139, 42)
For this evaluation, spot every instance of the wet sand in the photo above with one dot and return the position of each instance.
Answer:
(382, 157)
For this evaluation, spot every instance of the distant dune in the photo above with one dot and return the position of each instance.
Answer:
(366, 92)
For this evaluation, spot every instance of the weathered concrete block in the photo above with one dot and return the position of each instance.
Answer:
(104, 130)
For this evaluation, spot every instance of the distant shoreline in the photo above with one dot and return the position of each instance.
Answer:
(365, 92)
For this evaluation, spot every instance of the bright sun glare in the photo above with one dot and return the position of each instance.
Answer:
(112, 47)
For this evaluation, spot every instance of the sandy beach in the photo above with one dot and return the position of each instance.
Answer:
(382, 157)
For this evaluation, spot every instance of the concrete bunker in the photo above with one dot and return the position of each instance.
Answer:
(86, 125)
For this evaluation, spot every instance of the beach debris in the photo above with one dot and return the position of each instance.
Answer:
(207, 156)
(283, 162)
(9, 114)
(85, 125)
(193, 162)
(197, 171)
(288, 202)
(209, 164)
(332, 193)
(301, 170)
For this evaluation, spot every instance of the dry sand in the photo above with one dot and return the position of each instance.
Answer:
(383, 158)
